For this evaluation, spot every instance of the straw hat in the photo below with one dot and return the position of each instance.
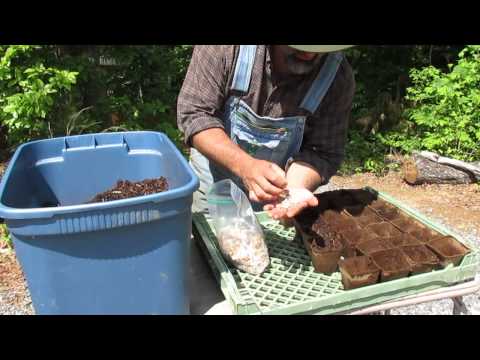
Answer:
(320, 48)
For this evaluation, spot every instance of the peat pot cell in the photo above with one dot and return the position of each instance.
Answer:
(357, 211)
(338, 221)
(324, 259)
(421, 259)
(387, 212)
(383, 229)
(358, 272)
(372, 246)
(346, 224)
(378, 204)
(393, 264)
(325, 231)
(448, 249)
(424, 234)
(404, 240)
(331, 216)
(368, 219)
(405, 224)
(350, 239)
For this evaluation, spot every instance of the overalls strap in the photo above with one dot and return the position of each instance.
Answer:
(322, 83)
(243, 68)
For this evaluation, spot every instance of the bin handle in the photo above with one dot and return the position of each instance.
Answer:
(94, 144)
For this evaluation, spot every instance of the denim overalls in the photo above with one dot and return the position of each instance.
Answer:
(265, 138)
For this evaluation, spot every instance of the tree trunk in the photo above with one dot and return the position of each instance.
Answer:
(419, 170)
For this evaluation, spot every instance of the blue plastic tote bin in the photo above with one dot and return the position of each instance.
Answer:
(126, 256)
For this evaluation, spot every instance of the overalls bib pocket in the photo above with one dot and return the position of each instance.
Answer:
(264, 138)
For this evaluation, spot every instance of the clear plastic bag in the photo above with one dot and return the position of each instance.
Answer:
(238, 231)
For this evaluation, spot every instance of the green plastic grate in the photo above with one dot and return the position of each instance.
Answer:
(290, 285)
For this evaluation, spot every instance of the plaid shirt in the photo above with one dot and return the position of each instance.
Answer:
(207, 88)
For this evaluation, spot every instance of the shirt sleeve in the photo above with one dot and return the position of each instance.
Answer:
(202, 96)
(325, 134)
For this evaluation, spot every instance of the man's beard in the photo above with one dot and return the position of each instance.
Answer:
(301, 67)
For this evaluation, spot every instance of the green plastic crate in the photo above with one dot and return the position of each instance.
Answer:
(290, 285)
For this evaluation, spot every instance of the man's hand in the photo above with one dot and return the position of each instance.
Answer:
(298, 200)
(302, 181)
(264, 180)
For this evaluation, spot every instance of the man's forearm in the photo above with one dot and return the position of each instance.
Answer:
(301, 175)
(215, 144)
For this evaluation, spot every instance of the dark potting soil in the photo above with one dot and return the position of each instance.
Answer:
(327, 236)
(127, 189)
(320, 244)
(363, 196)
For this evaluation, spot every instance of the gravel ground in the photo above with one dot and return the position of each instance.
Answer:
(9, 304)
(445, 307)
(14, 295)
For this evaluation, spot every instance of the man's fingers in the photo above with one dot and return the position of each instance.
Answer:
(268, 207)
(278, 213)
(313, 201)
(276, 176)
(268, 187)
(297, 208)
(253, 196)
(261, 195)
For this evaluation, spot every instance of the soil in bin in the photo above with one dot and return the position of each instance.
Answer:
(126, 189)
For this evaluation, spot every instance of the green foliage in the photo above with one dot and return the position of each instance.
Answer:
(364, 153)
(5, 239)
(382, 120)
(382, 70)
(28, 91)
(48, 91)
(54, 90)
(445, 115)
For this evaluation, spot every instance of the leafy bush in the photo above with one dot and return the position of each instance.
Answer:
(29, 92)
(5, 239)
(444, 116)
(364, 153)
(48, 91)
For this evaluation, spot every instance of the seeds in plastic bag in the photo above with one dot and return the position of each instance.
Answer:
(243, 245)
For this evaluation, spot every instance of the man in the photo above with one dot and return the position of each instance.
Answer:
(269, 117)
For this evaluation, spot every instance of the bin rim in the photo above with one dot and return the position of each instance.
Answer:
(12, 213)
